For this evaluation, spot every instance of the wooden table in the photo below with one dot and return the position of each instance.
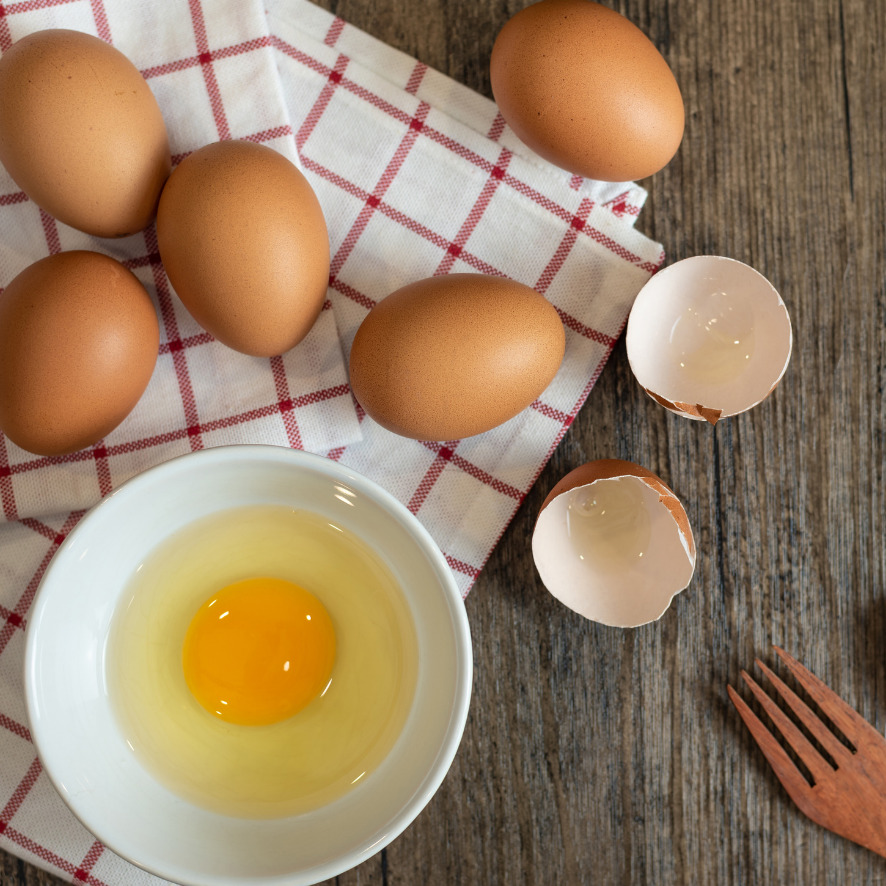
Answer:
(599, 756)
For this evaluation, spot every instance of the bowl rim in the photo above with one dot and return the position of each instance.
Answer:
(422, 793)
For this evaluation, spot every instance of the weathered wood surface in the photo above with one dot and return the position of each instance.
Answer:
(599, 756)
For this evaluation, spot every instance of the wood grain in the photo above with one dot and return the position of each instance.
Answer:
(599, 756)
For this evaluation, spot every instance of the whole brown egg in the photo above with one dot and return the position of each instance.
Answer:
(81, 133)
(449, 357)
(244, 242)
(586, 89)
(78, 344)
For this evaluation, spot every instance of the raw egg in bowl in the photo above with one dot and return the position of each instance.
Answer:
(248, 665)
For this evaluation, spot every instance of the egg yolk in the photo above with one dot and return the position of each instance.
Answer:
(259, 651)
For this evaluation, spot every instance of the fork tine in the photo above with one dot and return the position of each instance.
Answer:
(829, 741)
(785, 770)
(849, 721)
(814, 761)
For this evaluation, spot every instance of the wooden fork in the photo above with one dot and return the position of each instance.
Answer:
(849, 800)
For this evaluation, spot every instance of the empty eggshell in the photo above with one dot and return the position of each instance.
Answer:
(709, 337)
(613, 543)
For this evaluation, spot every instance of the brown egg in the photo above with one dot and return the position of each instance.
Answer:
(607, 468)
(586, 89)
(613, 543)
(81, 133)
(78, 344)
(450, 357)
(244, 243)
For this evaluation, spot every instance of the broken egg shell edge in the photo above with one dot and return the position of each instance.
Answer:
(613, 469)
(696, 414)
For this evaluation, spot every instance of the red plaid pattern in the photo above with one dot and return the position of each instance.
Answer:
(417, 176)
(214, 76)
(460, 103)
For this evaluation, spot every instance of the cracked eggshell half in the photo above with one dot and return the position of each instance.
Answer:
(614, 544)
(709, 337)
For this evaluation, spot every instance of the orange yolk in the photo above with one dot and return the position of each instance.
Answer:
(258, 651)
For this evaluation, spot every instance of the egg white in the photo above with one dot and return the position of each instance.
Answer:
(301, 763)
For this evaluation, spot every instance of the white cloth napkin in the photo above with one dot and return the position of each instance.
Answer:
(212, 69)
(417, 175)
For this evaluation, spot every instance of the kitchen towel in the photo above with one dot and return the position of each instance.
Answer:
(417, 175)
(213, 72)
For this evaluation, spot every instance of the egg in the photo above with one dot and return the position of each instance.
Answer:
(262, 661)
(258, 651)
(78, 343)
(449, 357)
(81, 133)
(613, 543)
(709, 337)
(244, 242)
(587, 90)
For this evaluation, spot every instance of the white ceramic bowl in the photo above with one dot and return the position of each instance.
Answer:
(75, 730)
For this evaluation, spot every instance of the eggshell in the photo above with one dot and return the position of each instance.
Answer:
(81, 133)
(643, 593)
(244, 242)
(709, 290)
(450, 357)
(587, 90)
(78, 343)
